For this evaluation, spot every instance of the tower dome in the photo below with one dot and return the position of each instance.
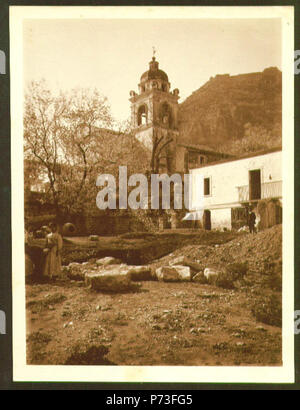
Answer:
(154, 73)
(154, 78)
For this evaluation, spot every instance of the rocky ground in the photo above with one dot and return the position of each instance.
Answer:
(166, 323)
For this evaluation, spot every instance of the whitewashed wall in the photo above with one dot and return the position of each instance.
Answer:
(224, 180)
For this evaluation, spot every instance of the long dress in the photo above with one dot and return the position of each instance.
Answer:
(52, 265)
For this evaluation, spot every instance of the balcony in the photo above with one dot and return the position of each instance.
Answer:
(268, 190)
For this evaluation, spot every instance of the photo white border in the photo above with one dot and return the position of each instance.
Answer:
(155, 374)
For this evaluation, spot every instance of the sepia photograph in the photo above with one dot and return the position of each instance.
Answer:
(152, 173)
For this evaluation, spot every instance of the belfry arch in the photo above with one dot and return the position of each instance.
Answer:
(142, 115)
(166, 115)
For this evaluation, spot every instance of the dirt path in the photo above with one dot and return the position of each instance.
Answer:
(163, 324)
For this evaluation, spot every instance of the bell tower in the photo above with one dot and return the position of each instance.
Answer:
(154, 116)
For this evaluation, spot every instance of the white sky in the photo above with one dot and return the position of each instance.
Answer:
(111, 55)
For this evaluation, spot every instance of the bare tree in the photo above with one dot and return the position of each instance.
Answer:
(60, 134)
(160, 142)
(70, 137)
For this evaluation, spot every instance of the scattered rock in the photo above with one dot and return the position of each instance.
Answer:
(111, 280)
(180, 260)
(184, 272)
(75, 271)
(68, 229)
(211, 272)
(140, 273)
(184, 261)
(244, 228)
(94, 238)
(175, 273)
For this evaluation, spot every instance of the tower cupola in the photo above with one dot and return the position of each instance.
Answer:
(154, 78)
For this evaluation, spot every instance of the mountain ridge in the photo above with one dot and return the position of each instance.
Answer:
(228, 110)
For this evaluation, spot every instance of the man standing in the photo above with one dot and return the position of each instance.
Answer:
(252, 219)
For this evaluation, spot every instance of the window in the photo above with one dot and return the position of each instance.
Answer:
(202, 159)
(206, 186)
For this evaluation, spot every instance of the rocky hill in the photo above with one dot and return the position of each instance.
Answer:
(229, 109)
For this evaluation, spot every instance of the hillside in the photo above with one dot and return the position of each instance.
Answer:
(228, 109)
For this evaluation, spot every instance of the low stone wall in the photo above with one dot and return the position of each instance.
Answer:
(105, 224)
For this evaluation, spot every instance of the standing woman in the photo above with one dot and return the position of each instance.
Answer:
(53, 249)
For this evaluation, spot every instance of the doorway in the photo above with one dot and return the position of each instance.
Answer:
(207, 220)
(254, 184)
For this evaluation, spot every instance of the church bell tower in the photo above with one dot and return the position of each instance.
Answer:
(154, 116)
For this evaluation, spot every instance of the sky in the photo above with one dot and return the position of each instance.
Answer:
(111, 54)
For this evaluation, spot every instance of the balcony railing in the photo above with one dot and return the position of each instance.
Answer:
(268, 190)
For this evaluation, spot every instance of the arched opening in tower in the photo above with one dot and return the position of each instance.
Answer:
(166, 115)
(142, 115)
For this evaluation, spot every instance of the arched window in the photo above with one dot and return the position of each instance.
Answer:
(166, 114)
(142, 115)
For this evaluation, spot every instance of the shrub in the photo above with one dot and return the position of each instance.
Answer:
(237, 270)
(225, 280)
